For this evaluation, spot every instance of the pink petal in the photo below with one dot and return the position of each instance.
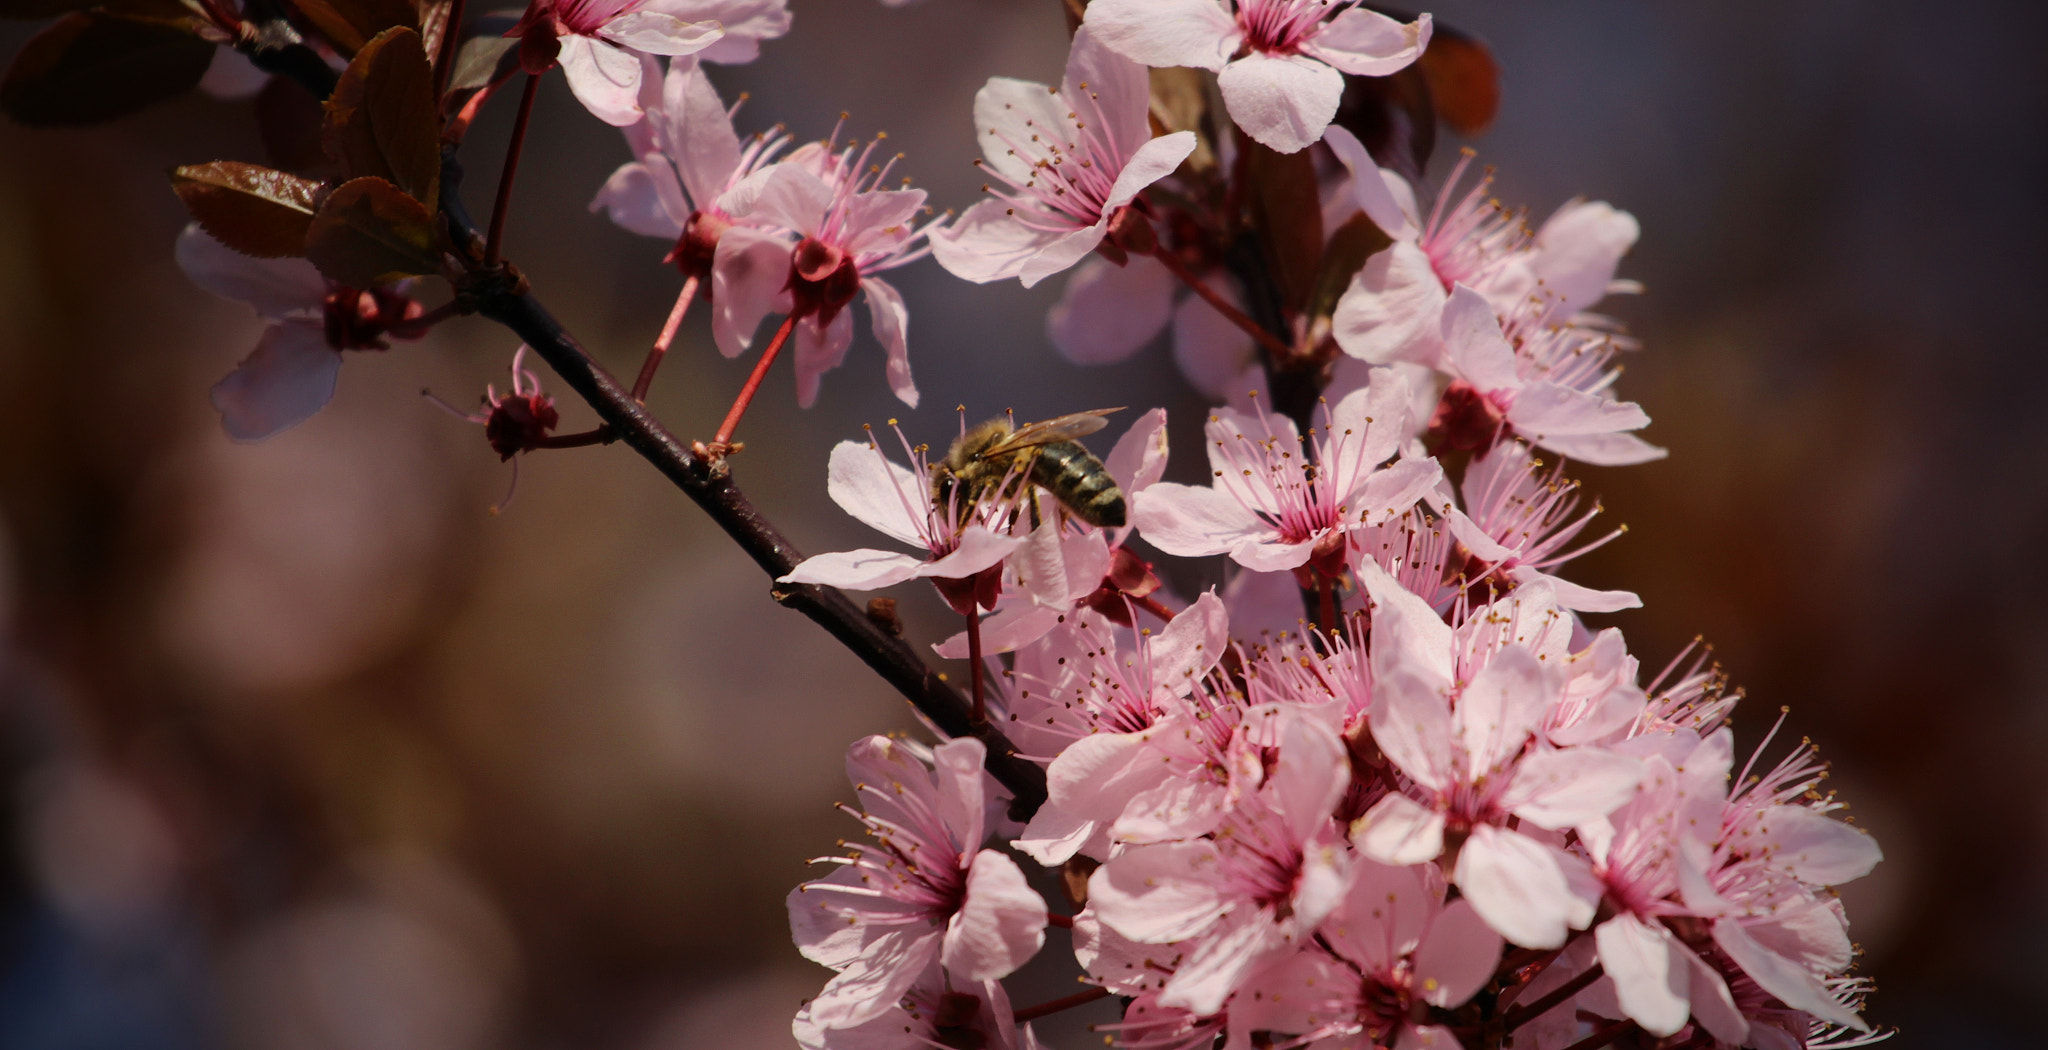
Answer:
(1191, 522)
(1210, 349)
(1000, 925)
(956, 772)
(1794, 985)
(819, 349)
(1006, 630)
(651, 32)
(1138, 459)
(1120, 89)
(1407, 632)
(1577, 251)
(632, 199)
(883, 495)
(746, 23)
(1008, 110)
(605, 78)
(1476, 350)
(1285, 102)
(1813, 848)
(1163, 33)
(1369, 44)
(891, 320)
(1088, 786)
(1159, 894)
(785, 195)
(748, 272)
(1603, 450)
(1562, 789)
(1501, 707)
(275, 287)
(1189, 645)
(1414, 1036)
(288, 377)
(1389, 493)
(697, 132)
(872, 984)
(1399, 830)
(979, 548)
(1108, 312)
(1576, 598)
(1061, 252)
(1373, 187)
(1457, 958)
(1650, 980)
(1713, 1006)
(986, 244)
(1182, 807)
(879, 219)
(1154, 160)
(1219, 963)
(1312, 771)
(855, 570)
(1544, 409)
(1393, 310)
(1268, 553)
(1412, 723)
(1518, 886)
(1383, 916)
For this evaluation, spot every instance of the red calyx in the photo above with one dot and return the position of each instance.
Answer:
(1466, 420)
(822, 280)
(539, 34)
(698, 246)
(982, 589)
(359, 320)
(519, 422)
(1128, 575)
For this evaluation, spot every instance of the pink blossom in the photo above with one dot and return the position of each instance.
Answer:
(931, 1011)
(1260, 886)
(1521, 525)
(599, 44)
(310, 321)
(1070, 161)
(1108, 312)
(1271, 505)
(897, 502)
(925, 891)
(1280, 63)
(848, 231)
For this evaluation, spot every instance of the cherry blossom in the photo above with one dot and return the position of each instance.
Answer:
(1071, 162)
(1273, 506)
(1280, 63)
(309, 322)
(847, 230)
(599, 44)
(925, 891)
(1108, 312)
(933, 1011)
(1519, 524)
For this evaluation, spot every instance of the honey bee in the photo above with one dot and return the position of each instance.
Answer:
(1046, 454)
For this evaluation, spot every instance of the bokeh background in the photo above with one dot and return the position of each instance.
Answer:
(300, 747)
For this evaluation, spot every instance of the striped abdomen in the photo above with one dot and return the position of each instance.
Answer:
(1080, 482)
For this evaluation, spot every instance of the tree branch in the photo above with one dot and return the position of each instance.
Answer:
(500, 294)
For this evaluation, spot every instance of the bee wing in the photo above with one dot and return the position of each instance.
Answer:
(1065, 428)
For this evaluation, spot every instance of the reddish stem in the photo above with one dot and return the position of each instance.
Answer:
(1152, 605)
(668, 335)
(1522, 1015)
(1328, 604)
(496, 236)
(595, 436)
(980, 714)
(1064, 922)
(1280, 351)
(1065, 1002)
(740, 403)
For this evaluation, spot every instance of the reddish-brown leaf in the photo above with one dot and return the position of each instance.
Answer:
(96, 66)
(349, 24)
(368, 232)
(255, 211)
(382, 121)
(1287, 211)
(1352, 243)
(1464, 80)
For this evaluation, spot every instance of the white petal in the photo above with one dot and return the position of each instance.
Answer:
(1369, 44)
(987, 244)
(748, 272)
(1000, 925)
(287, 378)
(654, 33)
(1285, 102)
(1650, 979)
(1393, 310)
(891, 319)
(605, 78)
(1517, 885)
(882, 494)
(632, 199)
(1162, 33)
(855, 570)
(275, 287)
(1399, 830)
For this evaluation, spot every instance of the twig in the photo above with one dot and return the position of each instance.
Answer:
(500, 295)
(496, 239)
(740, 403)
(1522, 1015)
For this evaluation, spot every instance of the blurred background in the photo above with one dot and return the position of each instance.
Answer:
(300, 747)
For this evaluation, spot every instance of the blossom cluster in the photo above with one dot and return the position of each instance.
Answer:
(1386, 786)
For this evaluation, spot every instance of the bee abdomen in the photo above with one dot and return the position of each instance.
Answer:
(1080, 482)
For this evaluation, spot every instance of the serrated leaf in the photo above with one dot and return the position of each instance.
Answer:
(97, 66)
(382, 120)
(1287, 211)
(368, 232)
(350, 24)
(254, 210)
(1350, 246)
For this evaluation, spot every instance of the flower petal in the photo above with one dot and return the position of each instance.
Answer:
(1650, 981)
(1813, 848)
(1518, 886)
(819, 349)
(748, 272)
(1562, 789)
(633, 200)
(891, 320)
(1285, 102)
(652, 32)
(287, 378)
(275, 287)
(1399, 830)
(987, 244)
(1000, 925)
(1108, 312)
(1393, 309)
(1159, 894)
(855, 570)
(1191, 522)
(1161, 33)
(604, 77)
(1458, 956)
(1365, 43)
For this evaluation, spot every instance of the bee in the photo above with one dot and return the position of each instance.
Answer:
(1044, 453)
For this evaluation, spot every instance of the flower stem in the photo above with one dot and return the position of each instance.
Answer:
(1327, 603)
(1065, 1002)
(740, 403)
(980, 714)
(419, 325)
(496, 237)
(1154, 606)
(668, 335)
(1522, 1015)
(1280, 351)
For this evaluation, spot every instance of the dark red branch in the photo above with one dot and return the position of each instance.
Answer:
(500, 294)
(1522, 1015)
